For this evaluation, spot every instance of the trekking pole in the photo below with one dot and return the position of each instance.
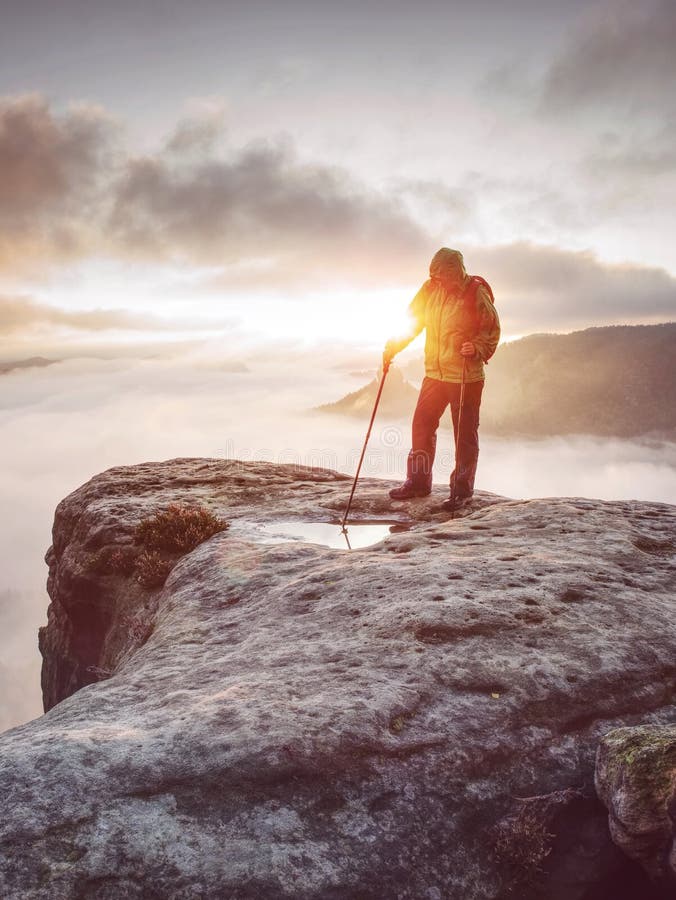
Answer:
(386, 366)
(457, 434)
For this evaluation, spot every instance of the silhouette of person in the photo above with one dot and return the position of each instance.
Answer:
(462, 332)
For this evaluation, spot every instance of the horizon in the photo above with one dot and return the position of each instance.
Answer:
(108, 351)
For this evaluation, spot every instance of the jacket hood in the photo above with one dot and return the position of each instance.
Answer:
(448, 266)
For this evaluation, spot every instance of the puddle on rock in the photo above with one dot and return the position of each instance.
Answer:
(328, 534)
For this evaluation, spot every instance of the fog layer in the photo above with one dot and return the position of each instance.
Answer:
(63, 424)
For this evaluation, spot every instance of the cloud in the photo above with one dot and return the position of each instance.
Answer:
(593, 159)
(22, 314)
(264, 207)
(200, 131)
(622, 53)
(634, 163)
(541, 288)
(260, 218)
(51, 172)
(447, 206)
(69, 188)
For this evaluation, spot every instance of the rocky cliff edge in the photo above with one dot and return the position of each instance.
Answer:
(415, 719)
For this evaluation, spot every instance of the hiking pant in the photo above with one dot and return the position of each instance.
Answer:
(433, 399)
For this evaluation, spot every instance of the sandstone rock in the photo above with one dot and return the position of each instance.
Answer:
(636, 779)
(294, 721)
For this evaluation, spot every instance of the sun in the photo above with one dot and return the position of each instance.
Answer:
(347, 317)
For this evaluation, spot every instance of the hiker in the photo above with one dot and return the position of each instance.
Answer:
(462, 333)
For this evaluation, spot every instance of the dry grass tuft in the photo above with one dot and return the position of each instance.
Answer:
(524, 840)
(113, 560)
(152, 568)
(178, 529)
(161, 540)
(168, 535)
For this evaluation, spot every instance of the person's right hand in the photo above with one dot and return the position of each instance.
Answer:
(388, 354)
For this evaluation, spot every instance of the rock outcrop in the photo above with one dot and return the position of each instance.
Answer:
(416, 719)
(636, 779)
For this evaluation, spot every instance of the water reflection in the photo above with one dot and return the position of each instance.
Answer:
(328, 534)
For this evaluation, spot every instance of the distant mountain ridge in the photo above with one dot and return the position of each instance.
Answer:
(614, 381)
(398, 399)
(30, 363)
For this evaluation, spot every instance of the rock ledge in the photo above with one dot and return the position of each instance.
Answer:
(284, 720)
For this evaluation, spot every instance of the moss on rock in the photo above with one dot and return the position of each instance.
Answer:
(636, 780)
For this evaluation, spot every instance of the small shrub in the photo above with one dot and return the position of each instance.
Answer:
(523, 844)
(153, 568)
(178, 529)
(524, 840)
(113, 560)
(163, 539)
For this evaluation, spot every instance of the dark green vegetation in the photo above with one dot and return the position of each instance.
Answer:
(612, 382)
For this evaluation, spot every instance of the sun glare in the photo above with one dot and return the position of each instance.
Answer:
(358, 318)
(182, 307)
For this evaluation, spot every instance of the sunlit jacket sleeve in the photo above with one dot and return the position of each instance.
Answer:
(416, 317)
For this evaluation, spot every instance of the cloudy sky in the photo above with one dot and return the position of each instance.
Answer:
(285, 170)
(214, 213)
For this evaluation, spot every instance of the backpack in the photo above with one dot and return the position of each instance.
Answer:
(475, 282)
(470, 295)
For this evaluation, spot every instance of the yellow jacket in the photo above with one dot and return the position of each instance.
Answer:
(450, 318)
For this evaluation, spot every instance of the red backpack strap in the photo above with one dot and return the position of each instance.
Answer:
(475, 282)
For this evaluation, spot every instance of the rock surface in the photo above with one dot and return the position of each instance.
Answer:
(416, 719)
(636, 779)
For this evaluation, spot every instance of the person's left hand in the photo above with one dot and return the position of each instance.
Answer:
(468, 349)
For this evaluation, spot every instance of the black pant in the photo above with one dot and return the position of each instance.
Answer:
(434, 397)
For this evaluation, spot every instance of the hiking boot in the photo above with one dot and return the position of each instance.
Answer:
(410, 489)
(454, 503)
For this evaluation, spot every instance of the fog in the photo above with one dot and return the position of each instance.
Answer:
(66, 422)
